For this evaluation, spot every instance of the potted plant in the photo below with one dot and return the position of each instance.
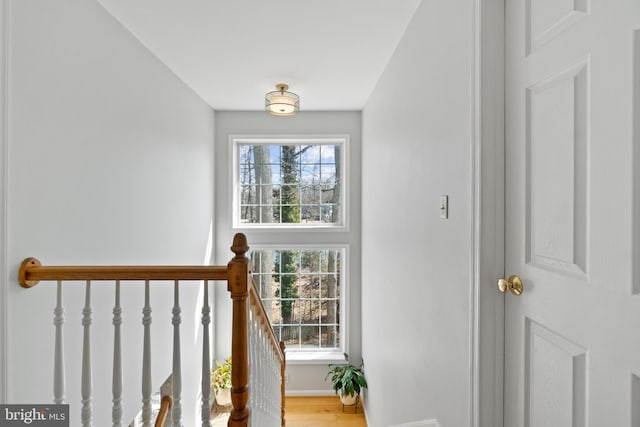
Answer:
(347, 380)
(221, 382)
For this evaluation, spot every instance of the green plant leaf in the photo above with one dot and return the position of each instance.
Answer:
(346, 379)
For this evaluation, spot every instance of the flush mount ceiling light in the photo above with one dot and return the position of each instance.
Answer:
(281, 102)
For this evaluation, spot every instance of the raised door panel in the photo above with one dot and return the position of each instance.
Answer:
(556, 379)
(546, 19)
(557, 171)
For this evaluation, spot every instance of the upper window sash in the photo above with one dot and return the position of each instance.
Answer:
(289, 182)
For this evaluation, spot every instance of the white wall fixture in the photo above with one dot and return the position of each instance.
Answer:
(444, 207)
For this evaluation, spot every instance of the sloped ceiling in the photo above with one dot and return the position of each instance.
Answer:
(231, 52)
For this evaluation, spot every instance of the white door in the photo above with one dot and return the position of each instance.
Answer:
(572, 117)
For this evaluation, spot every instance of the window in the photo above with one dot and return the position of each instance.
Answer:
(301, 292)
(290, 183)
(291, 191)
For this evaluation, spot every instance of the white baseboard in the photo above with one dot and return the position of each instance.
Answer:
(310, 393)
(423, 423)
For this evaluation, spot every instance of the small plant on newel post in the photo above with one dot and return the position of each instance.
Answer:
(347, 381)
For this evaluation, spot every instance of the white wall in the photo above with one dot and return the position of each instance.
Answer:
(416, 269)
(304, 379)
(110, 162)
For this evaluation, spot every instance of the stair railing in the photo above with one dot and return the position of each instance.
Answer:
(266, 366)
(249, 321)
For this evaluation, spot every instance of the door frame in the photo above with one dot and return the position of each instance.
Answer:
(487, 157)
(4, 148)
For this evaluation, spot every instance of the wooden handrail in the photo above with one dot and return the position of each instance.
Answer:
(165, 405)
(32, 272)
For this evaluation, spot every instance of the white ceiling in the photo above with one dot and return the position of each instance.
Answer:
(231, 52)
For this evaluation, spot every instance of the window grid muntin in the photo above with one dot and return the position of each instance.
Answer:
(297, 327)
(310, 214)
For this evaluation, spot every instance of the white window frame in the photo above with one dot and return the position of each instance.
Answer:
(236, 140)
(298, 236)
(302, 356)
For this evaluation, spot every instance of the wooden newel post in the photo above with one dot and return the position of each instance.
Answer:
(238, 284)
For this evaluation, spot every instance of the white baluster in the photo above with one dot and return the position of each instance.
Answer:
(256, 370)
(259, 373)
(264, 369)
(58, 358)
(253, 369)
(271, 380)
(252, 354)
(146, 359)
(116, 386)
(277, 382)
(206, 362)
(264, 374)
(275, 387)
(87, 410)
(266, 377)
(177, 372)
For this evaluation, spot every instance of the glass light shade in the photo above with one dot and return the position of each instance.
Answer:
(281, 102)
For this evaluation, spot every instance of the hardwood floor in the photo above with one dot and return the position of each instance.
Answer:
(322, 411)
(313, 411)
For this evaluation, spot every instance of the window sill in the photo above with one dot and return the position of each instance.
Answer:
(298, 228)
(314, 357)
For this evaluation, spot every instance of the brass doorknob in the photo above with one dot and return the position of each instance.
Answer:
(513, 284)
